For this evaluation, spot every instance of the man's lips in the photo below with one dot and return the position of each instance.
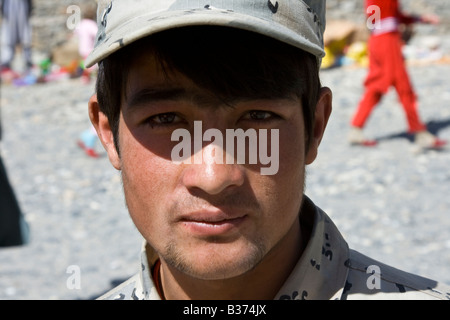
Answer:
(212, 223)
(210, 216)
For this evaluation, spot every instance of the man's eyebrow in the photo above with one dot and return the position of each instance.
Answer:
(148, 95)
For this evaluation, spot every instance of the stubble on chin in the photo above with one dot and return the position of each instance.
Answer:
(216, 265)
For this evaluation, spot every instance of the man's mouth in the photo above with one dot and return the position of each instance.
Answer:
(212, 223)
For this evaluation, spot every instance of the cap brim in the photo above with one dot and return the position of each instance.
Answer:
(146, 25)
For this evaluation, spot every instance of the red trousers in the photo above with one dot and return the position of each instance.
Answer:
(386, 69)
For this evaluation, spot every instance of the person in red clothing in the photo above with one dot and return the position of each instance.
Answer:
(386, 69)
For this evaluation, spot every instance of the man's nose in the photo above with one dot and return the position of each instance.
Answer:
(212, 175)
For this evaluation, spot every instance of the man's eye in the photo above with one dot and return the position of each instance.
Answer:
(164, 118)
(260, 115)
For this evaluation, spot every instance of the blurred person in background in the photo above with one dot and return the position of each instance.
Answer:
(16, 30)
(386, 69)
(13, 228)
(86, 32)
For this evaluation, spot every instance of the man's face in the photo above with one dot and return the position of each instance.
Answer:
(207, 220)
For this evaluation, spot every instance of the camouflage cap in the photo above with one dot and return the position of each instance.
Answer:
(300, 23)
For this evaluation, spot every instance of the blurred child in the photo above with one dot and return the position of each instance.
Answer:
(386, 69)
(86, 32)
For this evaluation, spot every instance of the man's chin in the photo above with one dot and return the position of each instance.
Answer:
(216, 262)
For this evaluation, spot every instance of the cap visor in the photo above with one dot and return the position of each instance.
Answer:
(146, 25)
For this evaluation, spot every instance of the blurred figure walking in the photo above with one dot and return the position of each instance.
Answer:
(387, 68)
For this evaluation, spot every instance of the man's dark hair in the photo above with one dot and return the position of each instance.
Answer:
(231, 64)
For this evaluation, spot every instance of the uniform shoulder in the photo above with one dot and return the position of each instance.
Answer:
(371, 279)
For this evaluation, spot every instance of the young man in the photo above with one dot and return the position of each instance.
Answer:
(387, 69)
(216, 226)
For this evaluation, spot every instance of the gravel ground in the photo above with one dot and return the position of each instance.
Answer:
(390, 202)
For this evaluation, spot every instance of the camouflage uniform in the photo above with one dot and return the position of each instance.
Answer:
(327, 269)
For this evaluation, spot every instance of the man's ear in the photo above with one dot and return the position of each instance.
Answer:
(322, 114)
(104, 132)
